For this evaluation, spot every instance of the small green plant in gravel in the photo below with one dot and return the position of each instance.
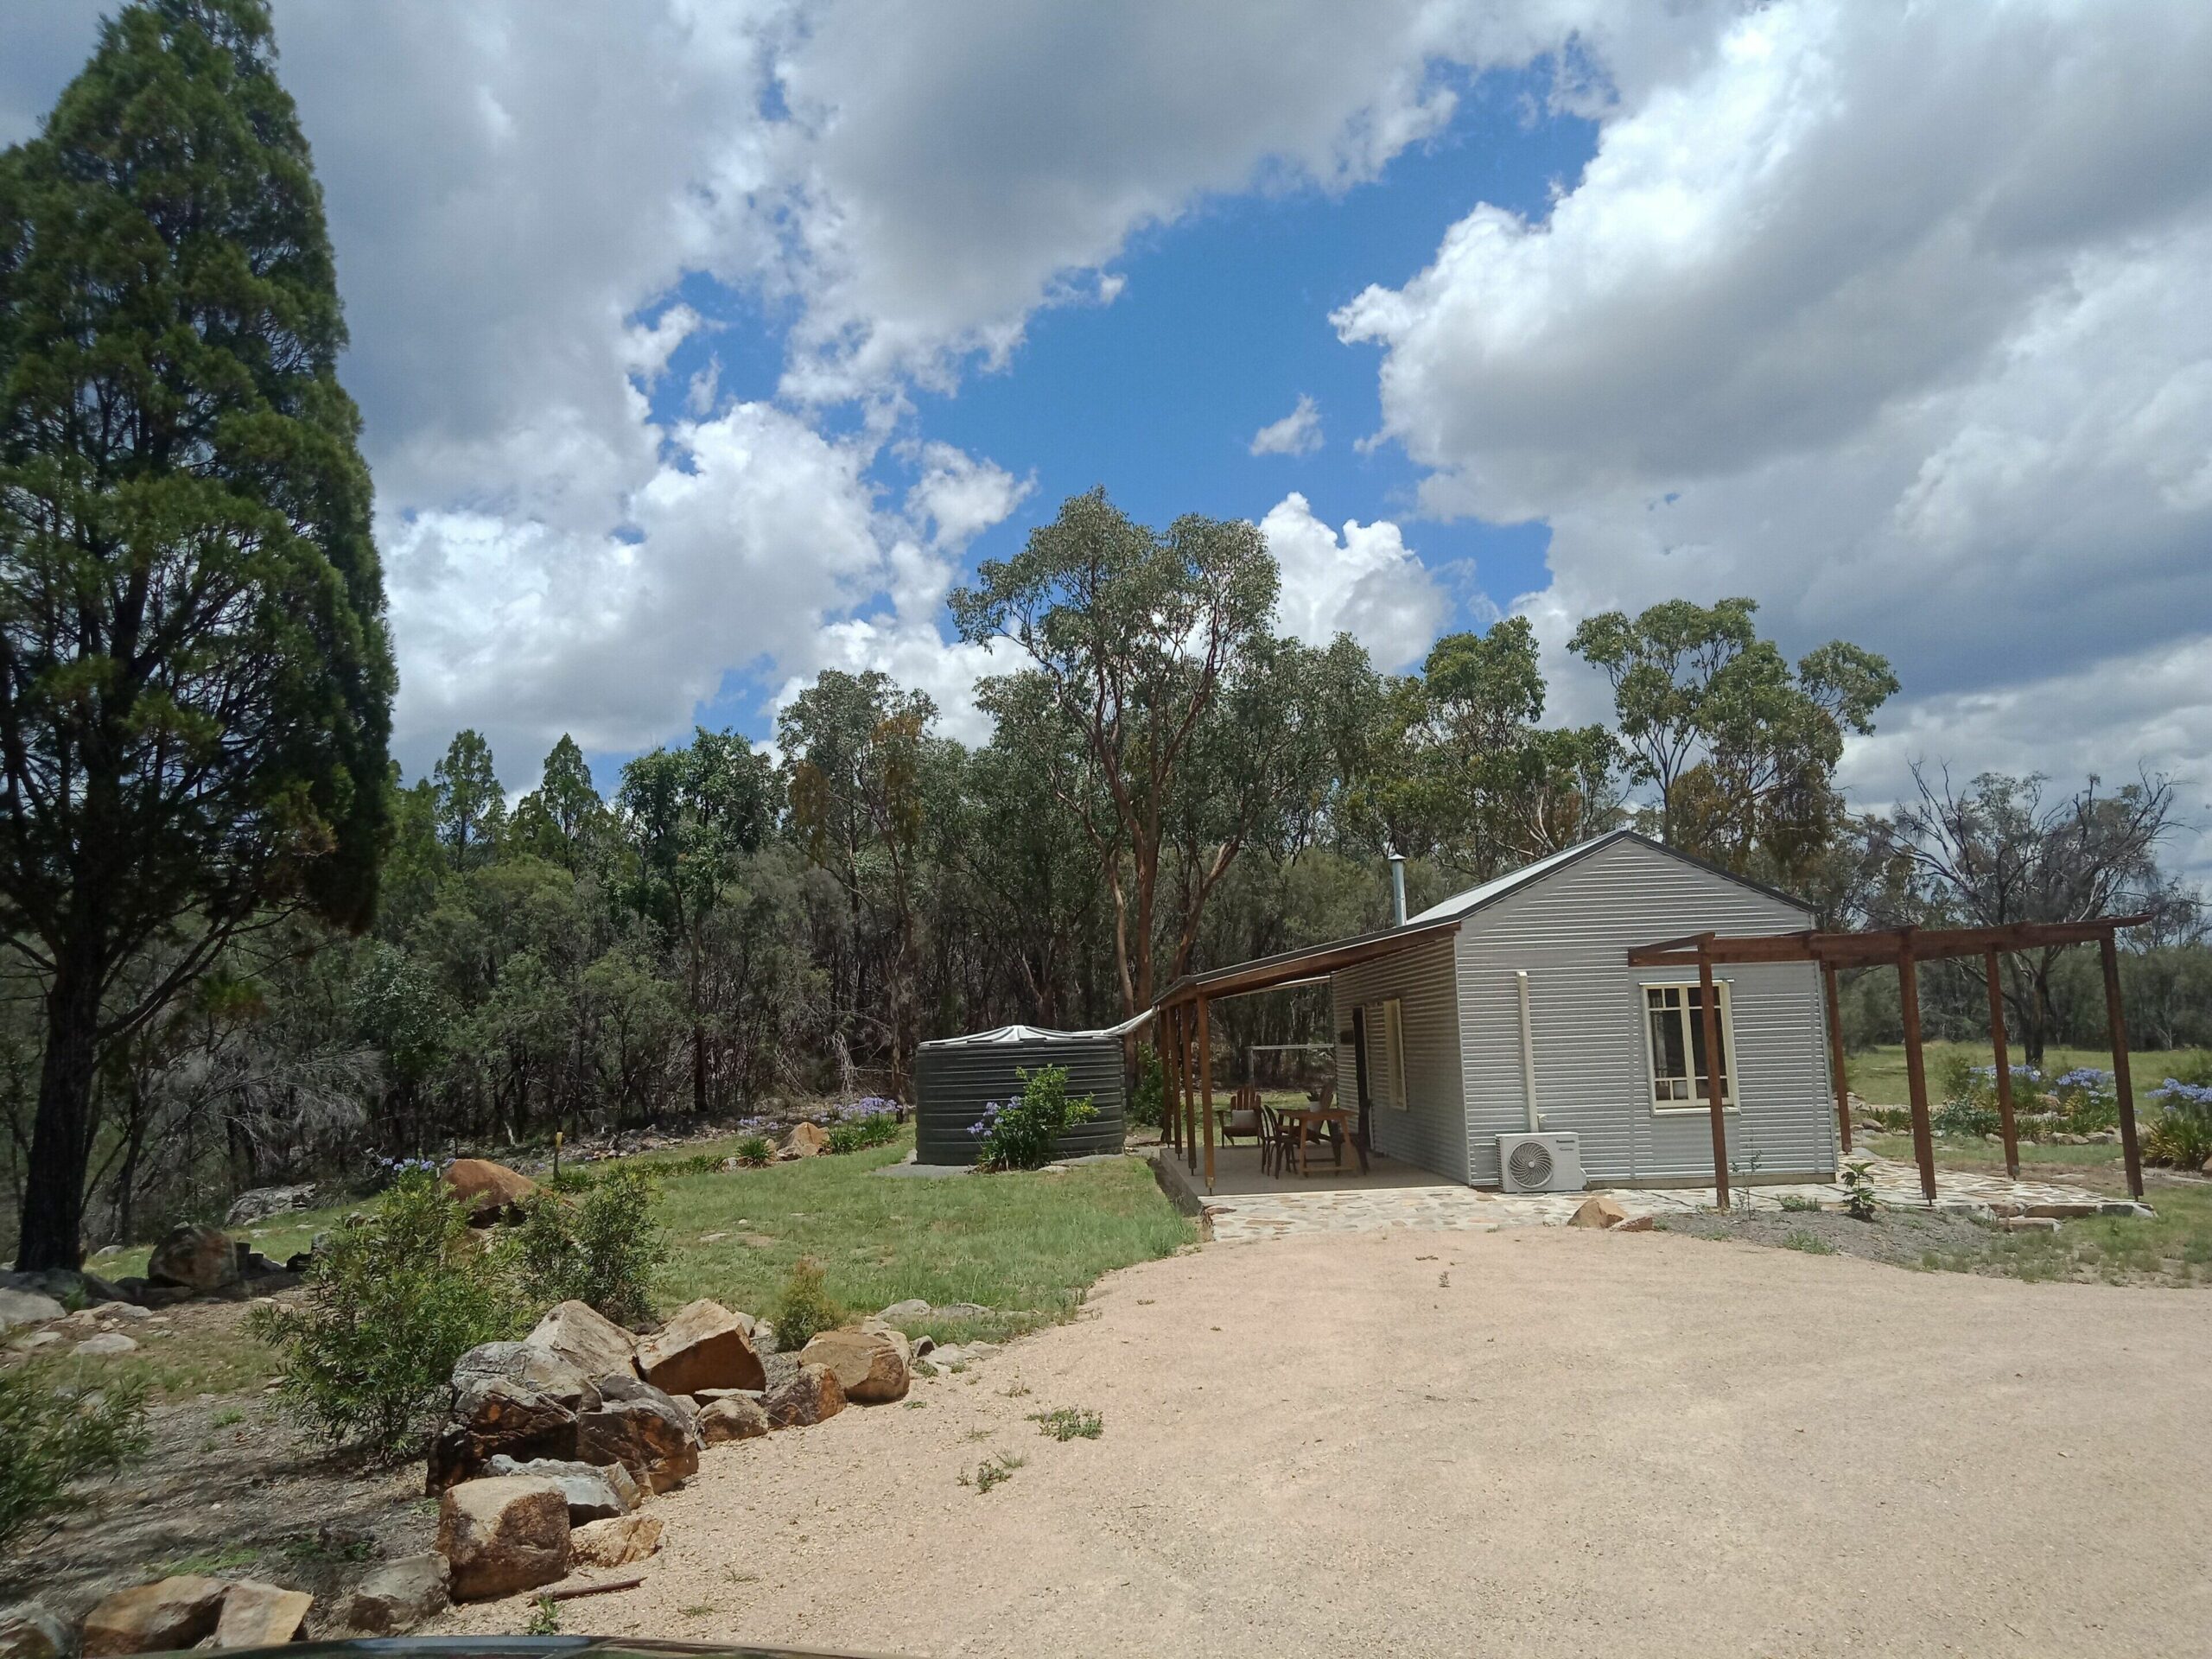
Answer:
(1805, 1239)
(1796, 1204)
(993, 1471)
(1069, 1423)
(806, 1308)
(545, 1618)
(1859, 1200)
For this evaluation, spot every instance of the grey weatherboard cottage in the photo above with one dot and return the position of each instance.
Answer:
(1432, 1044)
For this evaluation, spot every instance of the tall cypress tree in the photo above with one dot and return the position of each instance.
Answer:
(195, 682)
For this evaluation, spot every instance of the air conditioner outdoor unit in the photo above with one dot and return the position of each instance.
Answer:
(1541, 1163)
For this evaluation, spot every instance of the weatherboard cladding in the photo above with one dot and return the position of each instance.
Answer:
(1432, 1131)
(1571, 930)
(954, 1082)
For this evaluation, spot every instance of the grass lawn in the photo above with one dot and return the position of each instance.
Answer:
(1877, 1075)
(2175, 1248)
(1025, 1246)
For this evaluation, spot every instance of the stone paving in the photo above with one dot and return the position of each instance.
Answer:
(1344, 1208)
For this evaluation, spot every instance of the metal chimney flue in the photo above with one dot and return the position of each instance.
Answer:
(1397, 889)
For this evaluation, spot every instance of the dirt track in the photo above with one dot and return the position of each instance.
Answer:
(1581, 1444)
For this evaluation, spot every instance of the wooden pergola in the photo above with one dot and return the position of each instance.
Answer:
(1182, 1027)
(1907, 947)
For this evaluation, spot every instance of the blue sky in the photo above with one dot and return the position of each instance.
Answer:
(1898, 322)
(1221, 325)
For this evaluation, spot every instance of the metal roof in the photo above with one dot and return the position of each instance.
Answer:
(1010, 1034)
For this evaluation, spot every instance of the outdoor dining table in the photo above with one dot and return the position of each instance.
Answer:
(1310, 1118)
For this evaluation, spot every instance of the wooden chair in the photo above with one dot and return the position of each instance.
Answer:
(1243, 1118)
(1278, 1142)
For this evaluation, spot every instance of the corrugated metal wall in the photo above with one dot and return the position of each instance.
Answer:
(1570, 931)
(952, 1086)
(1432, 1130)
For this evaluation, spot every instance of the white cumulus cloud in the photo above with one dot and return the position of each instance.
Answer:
(1298, 433)
(1365, 583)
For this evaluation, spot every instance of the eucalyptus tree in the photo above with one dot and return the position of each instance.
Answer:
(195, 679)
(564, 820)
(2002, 850)
(859, 755)
(1131, 635)
(1742, 745)
(692, 818)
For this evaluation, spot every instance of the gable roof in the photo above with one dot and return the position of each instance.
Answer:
(1480, 898)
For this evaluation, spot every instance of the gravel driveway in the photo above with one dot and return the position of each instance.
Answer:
(1531, 1442)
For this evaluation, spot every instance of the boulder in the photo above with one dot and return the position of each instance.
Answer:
(30, 1632)
(262, 1201)
(1635, 1224)
(2028, 1223)
(641, 1429)
(510, 1398)
(580, 1334)
(106, 1345)
(595, 1491)
(488, 1190)
(872, 1367)
(503, 1533)
(615, 1543)
(258, 1614)
(733, 1417)
(27, 1307)
(805, 1141)
(961, 1311)
(812, 1394)
(910, 1312)
(1598, 1209)
(130, 1312)
(155, 1618)
(702, 1346)
(195, 1257)
(397, 1596)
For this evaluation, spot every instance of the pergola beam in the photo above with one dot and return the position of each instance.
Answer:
(1885, 945)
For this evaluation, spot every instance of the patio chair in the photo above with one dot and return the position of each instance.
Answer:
(1243, 1118)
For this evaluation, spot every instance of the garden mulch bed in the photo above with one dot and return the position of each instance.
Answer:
(1902, 1238)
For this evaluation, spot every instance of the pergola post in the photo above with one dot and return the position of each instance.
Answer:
(1711, 999)
(1836, 1054)
(1205, 1080)
(2123, 1085)
(1171, 1096)
(1916, 1069)
(1996, 1042)
(1190, 1099)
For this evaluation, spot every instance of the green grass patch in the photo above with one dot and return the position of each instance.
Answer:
(1027, 1246)
(2172, 1248)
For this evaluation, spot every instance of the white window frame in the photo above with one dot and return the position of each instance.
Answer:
(1729, 1057)
(1392, 1020)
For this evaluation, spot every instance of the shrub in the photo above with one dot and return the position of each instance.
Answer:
(1798, 1203)
(604, 1247)
(754, 1151)
(1966, 1118)
(2181, 1136)
(806, 1307)
(858, 1137)
(52, 1437)
(1019, 1133)
(1148, 1102)
(390, 1303)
